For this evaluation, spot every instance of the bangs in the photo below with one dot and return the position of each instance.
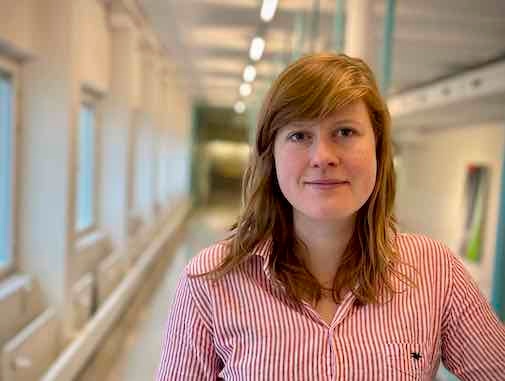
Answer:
(309, 90)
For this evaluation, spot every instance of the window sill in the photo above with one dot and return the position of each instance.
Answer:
(6, 271)
(88, 239)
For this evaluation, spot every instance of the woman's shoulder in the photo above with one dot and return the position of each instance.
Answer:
(424, 252)
(427, 262)
(420, 243)
(207, 259)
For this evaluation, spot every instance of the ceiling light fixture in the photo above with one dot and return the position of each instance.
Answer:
(249, 73)
(245, 89)
(268, 10)
(257, 47)
(239, 107)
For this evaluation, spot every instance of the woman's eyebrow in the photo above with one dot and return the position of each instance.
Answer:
(295, 125)
(301, 123)
(310, 123)
(347, 121)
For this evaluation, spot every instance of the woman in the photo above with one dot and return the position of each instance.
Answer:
(315, 282)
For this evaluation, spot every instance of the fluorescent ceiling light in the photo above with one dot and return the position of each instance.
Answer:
(239, 107)
(245, 89)
(257, 47)
(268, 10)
(249, 73)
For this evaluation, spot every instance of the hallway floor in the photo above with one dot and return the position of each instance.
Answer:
(139, 358)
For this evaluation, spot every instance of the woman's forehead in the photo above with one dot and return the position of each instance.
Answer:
(352, 113)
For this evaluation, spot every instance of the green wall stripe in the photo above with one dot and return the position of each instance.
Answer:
(339, 32)
(498, 291)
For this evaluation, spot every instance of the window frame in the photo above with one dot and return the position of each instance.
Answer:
(10, 69)
(163, 168)
(89, 99)
(138, 149)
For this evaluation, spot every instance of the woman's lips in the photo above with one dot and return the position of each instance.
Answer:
(326, 184)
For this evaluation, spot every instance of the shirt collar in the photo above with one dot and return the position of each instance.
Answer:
(264, 249)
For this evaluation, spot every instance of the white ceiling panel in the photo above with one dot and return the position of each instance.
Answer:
(227, 65)
(217, 36)
(209, 40)
(214, 81)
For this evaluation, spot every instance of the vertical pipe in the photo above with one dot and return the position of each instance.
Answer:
(360, 30)
(387, 51)
(498, 291)
(298, 34)
(339, 26)
(286, 58)
(316, 7)
(308, 26)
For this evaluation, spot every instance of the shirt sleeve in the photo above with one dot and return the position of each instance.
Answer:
(187, 351)
(473, 338)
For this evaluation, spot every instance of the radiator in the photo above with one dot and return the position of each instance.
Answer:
(18, 305)
(82, 302)
(75, 356)
(134, 225)
(109, 274)
(29, 354)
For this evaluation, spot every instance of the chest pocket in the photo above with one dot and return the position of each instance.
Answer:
(408, 361)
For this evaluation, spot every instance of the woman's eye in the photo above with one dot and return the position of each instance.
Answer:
(297, 136)
(346, 132)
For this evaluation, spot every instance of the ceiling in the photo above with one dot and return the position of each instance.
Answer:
(209, 40)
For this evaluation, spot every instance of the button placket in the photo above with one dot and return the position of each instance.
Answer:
(330, 356)
(343, 311)
(333, 354)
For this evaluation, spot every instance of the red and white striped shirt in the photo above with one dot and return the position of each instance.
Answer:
(242, 327)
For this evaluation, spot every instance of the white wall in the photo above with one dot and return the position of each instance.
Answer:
(16, 25)
(149, 79)
(179, 122)
(50, 97)
(431, 179)
(143, 165)
(94, 45)
(117, 113)
(68, 45)
(125, 66)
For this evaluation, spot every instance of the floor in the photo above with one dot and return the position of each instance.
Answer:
(140, 354)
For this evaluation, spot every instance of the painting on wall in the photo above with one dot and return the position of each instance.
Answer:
(475, 204)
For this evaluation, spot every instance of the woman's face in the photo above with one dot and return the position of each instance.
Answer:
(326, 169)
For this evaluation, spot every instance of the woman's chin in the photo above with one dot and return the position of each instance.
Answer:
(329, 215)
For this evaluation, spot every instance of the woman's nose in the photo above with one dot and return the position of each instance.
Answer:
(324, 154)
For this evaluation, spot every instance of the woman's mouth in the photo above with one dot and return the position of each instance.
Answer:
(326, 183)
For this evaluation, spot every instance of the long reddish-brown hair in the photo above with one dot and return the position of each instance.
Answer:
(311, 88)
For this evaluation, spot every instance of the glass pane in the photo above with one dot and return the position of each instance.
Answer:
(161, 176)
(80, 166)
(5, 169)
(85, 183)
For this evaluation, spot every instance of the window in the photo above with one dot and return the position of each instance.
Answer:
(162, 171)
(85, 208)
(6, 164)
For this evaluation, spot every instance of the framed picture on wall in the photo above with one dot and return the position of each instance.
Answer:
(475, 210)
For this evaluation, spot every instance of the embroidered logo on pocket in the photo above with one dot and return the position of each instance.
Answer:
(409, 361)
(416, 356)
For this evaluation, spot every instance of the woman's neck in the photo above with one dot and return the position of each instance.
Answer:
(326, 242)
